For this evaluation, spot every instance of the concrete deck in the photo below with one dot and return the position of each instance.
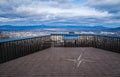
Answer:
(64, 62)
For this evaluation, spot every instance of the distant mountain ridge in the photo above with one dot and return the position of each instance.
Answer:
(74, 28)
(45, 26)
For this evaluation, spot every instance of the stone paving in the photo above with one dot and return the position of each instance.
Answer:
(64, 62)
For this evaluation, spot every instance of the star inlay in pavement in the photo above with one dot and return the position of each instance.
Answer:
(79, 60)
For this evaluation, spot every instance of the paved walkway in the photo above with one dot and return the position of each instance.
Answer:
(64, 62)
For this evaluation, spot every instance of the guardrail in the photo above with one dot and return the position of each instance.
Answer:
(14, 48)
(111, 43)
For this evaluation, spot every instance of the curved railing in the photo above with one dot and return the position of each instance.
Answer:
(14, 48)
(106, 42)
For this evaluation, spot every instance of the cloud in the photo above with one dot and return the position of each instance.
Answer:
(2, 19)
(110, 5)
(103, 2)
(72, 12)
(60, 12)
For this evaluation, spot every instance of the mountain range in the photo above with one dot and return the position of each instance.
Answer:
(67, 28)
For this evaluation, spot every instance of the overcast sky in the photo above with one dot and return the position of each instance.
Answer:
(60, 12)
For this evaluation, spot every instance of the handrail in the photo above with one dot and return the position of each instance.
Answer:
(109, 42)
(112, 36)
(14, 48)
(23, 38)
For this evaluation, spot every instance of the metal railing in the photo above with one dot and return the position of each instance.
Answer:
(14, 48)
(111, 43)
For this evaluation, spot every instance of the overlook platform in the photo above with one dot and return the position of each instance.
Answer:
(64, 62)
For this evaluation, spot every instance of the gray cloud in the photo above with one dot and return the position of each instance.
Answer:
(110, 5)
(61, 12)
